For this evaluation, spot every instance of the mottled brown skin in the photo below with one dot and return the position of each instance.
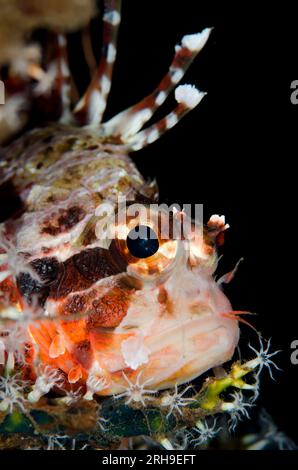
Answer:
(62, 221)
(108, 311)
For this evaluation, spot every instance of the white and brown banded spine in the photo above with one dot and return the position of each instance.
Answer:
(126, 128)
(93, 103)
(187, 97)
(65, 78)
(129, 122)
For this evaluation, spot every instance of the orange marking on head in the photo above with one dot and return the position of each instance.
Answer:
(164, 299)
(75, 330)
(109, 310)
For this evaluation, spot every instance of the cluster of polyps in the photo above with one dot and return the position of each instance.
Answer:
(12, 393)
(175, 401)
(205, 431)
(136, 392)
(12, 263)
(46, 380)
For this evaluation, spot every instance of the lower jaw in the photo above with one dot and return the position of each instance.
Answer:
(174, 366)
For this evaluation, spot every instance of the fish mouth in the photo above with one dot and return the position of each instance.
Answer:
(176, 356)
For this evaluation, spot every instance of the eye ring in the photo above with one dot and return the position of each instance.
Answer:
(142, 242)
(153, 260)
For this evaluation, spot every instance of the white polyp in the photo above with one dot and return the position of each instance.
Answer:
(206, 431)
(88, 395)
(195, 42)
(171, 120)
(229, 407)
(176, 400)
(136, 391)
(10, 363)
(188, 95)
(71, 396)
(176, 74)
(34, 396)
(44, 383)
(4, 405)
(94, 384)
(166, 443)
(111, 54)
(112, 17)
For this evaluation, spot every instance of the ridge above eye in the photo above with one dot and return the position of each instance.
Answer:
(142, 241)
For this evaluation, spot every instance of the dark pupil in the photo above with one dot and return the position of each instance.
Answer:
(142, 241)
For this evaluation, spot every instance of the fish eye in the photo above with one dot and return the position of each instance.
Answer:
(142, 242)
(144, 239)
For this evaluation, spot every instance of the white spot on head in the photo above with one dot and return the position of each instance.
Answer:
(160, 99)
(112, 17)
(195, 42)
(188, 95)
(134, 351)
(111, 54)
(176, 74)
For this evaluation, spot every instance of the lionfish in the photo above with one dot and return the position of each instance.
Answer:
(81, 309)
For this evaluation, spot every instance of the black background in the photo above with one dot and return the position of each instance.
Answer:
(235, 153)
